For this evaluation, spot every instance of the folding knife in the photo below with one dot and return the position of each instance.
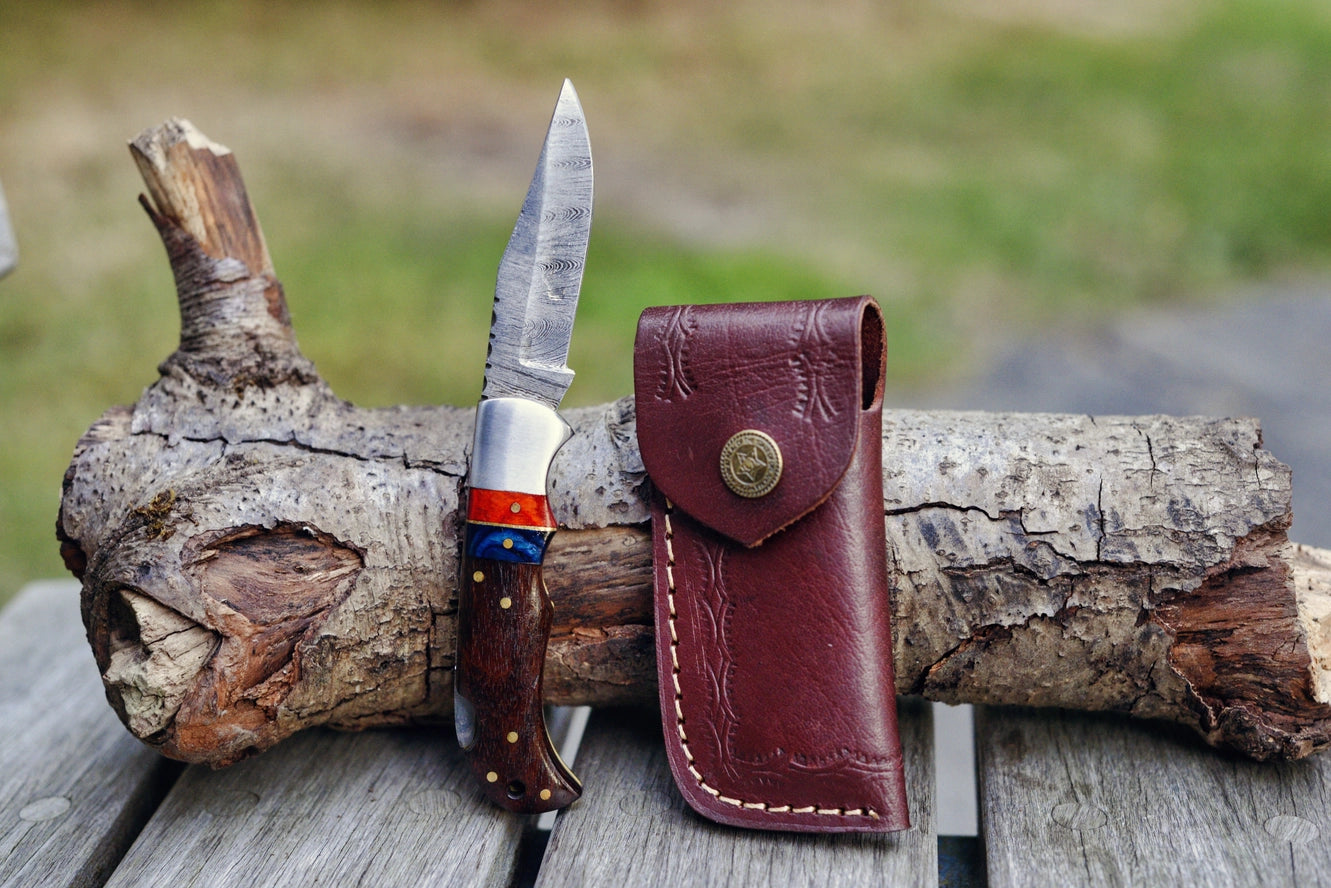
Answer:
(504, 611)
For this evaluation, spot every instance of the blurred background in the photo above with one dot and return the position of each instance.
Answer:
(987, 173)
(1031, 189)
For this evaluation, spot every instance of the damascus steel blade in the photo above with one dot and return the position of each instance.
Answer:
(536, 293)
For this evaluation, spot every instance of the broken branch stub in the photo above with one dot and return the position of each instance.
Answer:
(259, 557)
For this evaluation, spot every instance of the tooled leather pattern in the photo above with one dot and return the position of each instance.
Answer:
(709, 627)
(808, 359)
(676, 380)
(704, 373)
(707, 722)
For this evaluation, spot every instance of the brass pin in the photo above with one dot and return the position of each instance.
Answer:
(492, 777)
(512, 736)
(506, 602)
(478, 577)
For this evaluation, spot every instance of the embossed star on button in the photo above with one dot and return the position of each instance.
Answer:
(751, 463)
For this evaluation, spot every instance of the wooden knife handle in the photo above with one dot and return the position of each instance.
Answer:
(504, 616)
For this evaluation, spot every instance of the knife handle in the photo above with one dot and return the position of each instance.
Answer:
(504, 617)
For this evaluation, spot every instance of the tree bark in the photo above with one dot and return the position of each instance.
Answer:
(259, 557)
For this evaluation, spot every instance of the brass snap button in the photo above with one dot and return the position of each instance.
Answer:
(751, 463)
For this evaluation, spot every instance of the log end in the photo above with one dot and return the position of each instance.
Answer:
(1310, 571)
(211, 686)
(1251, 648)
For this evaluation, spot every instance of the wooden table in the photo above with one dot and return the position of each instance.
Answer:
(1065, 799)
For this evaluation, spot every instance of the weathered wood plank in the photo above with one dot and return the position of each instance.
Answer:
(631, 826)
(74, 787)
(392, 807)
(1074, 799)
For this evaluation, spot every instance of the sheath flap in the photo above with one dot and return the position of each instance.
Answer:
(783, 384)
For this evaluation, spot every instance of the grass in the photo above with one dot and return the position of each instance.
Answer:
(984, 172)
(420, 335)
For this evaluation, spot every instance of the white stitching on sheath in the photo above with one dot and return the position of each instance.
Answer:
(679, 704)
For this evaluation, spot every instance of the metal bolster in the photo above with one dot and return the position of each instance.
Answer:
(516, 440)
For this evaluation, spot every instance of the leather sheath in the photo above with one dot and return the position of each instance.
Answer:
(774, 640)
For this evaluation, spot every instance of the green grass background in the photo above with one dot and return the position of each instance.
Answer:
(985, 173)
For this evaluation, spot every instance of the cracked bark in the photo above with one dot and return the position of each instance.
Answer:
(259, 557)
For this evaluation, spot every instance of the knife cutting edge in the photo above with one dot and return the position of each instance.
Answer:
(504, 611)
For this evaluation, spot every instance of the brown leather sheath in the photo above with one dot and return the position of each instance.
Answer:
(760, 427)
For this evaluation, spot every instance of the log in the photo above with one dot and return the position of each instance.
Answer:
(259, 557)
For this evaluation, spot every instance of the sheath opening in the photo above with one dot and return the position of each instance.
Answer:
(873, 355)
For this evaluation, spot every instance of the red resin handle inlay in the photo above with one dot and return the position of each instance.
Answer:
(509, 508)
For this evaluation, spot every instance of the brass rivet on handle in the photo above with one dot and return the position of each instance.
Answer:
(545, 795)
(512, 737)
(751, 463)
(492, 777)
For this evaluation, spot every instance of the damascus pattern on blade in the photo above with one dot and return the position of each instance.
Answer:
(540, 275)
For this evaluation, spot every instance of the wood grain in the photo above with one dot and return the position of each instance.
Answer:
(504, 618)
(1066, 798)
(1074, 799)
(74, 787)
(633, 828)
(377, 808)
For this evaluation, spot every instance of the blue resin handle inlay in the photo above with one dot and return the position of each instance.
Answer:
(523, 545)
